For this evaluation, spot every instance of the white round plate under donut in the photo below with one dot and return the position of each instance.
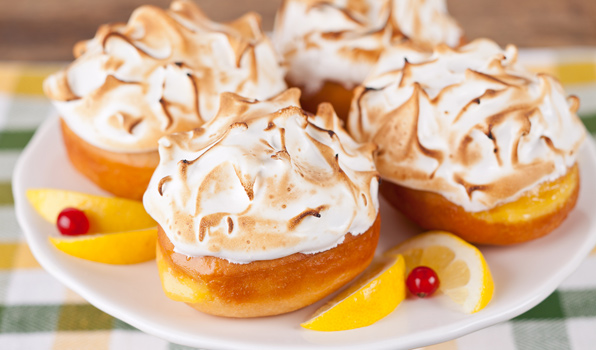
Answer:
(524, 274)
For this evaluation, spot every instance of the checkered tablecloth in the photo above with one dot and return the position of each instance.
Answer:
(38, 312)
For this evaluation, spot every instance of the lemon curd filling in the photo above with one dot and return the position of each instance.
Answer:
(176, 285)
(546, 199)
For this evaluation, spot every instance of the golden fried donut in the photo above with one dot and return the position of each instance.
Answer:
(471, 142)
(123, 174)
(266, 287)
(263, 210)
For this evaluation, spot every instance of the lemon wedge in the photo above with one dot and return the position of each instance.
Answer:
(105, 214)
(370, 298)
(463, 272)
(119, 248)
(120, 230)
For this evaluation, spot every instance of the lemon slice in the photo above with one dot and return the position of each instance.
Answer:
(370, 298)
(120, 248)
(463, 273)
(105, 214)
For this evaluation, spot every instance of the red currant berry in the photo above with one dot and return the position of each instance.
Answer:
(422, 281)
(72, 222)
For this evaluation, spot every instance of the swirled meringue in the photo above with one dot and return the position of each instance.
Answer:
(470, 124)
(426, 22)
(161, 72)
(263, 180)
(340, 41)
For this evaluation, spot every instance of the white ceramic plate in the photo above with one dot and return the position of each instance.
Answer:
(524, 274)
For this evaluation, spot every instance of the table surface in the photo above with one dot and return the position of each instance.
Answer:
(46, 30)
(37, 312)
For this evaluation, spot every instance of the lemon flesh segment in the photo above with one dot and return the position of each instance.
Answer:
(464, 275)
(178, 286)
(371, 297)
(105, 214)
(120, 248)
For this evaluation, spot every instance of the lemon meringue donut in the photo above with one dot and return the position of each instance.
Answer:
(471, 142)
(330, 46)
(161, 72)
(264, 209)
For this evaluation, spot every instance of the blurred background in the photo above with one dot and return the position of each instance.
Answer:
(47, 30)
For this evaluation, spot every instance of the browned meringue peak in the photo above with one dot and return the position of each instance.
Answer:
(161, 72)
(333, 40)
(468, 123)
(263, 180)
(426, 22)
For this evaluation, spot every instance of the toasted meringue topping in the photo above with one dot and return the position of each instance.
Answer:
(340, 41)
(263, 180)
(468, 123)
(161, 72)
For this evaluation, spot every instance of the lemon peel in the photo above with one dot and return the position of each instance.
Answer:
(105, 214)
(370, 298)
(120, 230)
(121, 248)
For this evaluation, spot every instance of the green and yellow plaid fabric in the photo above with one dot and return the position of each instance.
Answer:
(37, 312)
